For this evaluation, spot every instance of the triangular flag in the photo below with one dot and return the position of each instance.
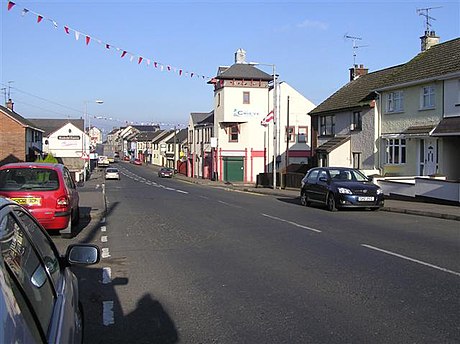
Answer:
(10, 5)
(39, 18)
(24, 12)
(87, 40)
(123, 53)
(55, 24)
(155, 64)
(131, 58)
(107, 46)
(169, 68)
(140, 60)
(180, 71)
(67, 31)
(77, 35)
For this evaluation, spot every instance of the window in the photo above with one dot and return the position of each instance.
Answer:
(246, 98)
(427, 97)
(233, 133)
(327, 125)
(313, 176)
(190, 136)
(302, 135)
(356, 160)
(27, 269)
(290, 134)
(395, 101)
(395, 151)
(356, 123)
(218, 99)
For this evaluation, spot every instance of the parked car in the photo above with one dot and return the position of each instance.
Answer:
(339, 187)
(137, 162)
(103, 161)
(126, 158)
(165, 172)
(46, 190)
(39, 300)
(112, 173)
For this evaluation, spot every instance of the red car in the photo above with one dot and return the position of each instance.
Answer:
(137, 162)
(46, 190)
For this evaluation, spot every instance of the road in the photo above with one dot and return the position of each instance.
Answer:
(186, 263)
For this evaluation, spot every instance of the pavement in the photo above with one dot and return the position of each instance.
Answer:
(93, 206)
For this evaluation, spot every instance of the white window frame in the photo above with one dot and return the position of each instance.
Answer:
(395, 151)
(395, 102)
(428, 97)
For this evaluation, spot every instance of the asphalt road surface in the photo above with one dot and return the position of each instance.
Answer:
(186, 263)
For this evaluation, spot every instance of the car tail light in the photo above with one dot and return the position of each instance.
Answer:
(62, 202)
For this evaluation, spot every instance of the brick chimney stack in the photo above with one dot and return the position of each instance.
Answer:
(9, 104)
(356, 71)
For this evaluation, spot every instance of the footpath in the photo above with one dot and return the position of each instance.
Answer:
(92, 197)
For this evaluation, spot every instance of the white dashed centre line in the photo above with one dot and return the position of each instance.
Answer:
(292, 223)
(412, 260)
(106, 275)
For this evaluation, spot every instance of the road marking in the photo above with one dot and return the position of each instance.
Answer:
(105, 252)
(104, 238)
(411, 259)
(103, 220)
(229, 204)
(106, 275)
(292, 223)
(103, 228)
(180, 191)
(107, 313)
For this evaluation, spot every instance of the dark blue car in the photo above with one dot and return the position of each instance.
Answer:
(340, 187)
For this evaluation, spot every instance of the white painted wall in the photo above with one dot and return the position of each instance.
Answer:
(67, 142)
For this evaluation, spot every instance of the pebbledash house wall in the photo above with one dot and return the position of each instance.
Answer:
(12, 140)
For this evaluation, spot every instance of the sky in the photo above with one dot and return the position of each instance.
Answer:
(49, 73)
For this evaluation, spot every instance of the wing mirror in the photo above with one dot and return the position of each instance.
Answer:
(83, 254)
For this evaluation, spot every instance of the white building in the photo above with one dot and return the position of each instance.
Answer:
(243, 98)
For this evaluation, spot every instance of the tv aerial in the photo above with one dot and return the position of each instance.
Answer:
(425, 12)
(354, 39)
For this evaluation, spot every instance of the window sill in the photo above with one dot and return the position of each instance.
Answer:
(394, 112)
(427, 108)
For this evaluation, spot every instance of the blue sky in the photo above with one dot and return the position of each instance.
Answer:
(54, 74)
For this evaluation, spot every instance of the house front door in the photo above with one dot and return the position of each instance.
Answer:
(430, 157)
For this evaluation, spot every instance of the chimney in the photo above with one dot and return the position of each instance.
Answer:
(356, 71)
(240, 56)
(9, 104)
(428, 40)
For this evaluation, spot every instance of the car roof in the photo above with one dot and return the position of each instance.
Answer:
(32, 165)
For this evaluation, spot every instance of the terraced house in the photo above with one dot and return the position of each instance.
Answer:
(400, 121)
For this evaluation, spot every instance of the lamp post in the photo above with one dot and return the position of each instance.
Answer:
(86, 118)
(275, 116)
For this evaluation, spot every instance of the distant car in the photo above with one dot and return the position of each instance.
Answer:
(126, 158)
(165, 172)
(39, 300)
(46, 190)
(339, 187)
(112, 173)
(137, 162)
(103, 161)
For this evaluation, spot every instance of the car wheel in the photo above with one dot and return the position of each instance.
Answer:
(331, 206)
(304, 199)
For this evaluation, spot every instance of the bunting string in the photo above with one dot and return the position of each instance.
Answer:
(123, 52)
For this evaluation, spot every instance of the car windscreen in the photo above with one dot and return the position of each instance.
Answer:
(347, 175)
(16, 179)
(111, 170)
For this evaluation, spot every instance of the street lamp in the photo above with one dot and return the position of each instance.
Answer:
(85, 155)
(275, 117)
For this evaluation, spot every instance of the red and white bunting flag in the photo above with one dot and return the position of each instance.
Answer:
(123, 53)
(169, 68)
(267, 119)
(107, 46)
(77, 35)
(67, 31)
(155, 64)
(87, 39)
(140, 60)
(39, 18)
(180, 71)
(131, 58)
(24, 12)
(10, 5)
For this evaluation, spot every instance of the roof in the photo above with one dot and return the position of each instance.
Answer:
(161, 136)
(146, 127)
(449, 126)
(200, 117)
(242, 71)
(440, 60)
(418, 130)
(147, 135)
(332, 144)
(352, 94)
(51, 125)
(17, 117)
(180, 136)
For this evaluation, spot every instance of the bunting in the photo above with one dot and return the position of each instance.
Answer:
(88, 38)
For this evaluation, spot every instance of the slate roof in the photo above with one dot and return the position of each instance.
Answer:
(19, 118)
(51, 125)
(147, 135)
(146, 127)
(181, 136)
(440, 60)
(332, 144)
(199, 118)
(242, 71)
(448, 126)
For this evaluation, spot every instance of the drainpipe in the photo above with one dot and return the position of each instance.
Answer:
(379, 132)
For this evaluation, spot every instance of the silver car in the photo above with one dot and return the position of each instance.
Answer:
(39, 294)
(112, 173)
